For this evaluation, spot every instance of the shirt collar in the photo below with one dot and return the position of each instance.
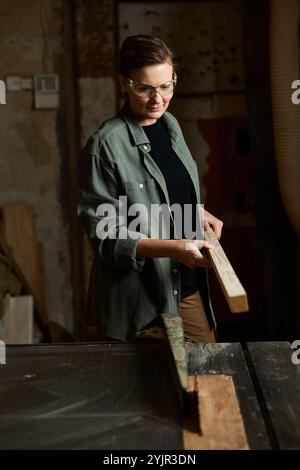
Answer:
(137, 132)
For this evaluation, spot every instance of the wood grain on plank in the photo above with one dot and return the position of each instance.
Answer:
(219, 424)
(228, 359)
(174, 329)
(233, 290)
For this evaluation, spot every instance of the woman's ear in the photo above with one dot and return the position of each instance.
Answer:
(123, 84)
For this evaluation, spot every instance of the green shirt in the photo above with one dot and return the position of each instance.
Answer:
(127, 292)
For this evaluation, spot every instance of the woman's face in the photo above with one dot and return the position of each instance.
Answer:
(149, 109)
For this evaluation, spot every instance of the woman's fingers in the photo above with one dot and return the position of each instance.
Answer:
(207, 245)
(206, 225)
(197, 245)
(188, 252)
(201, 260)
(210, 221)
(205, 263)
(217, 227)
(195, 257)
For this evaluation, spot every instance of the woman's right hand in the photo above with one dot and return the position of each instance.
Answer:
(188, 253)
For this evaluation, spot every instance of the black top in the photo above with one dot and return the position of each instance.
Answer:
(179, 185)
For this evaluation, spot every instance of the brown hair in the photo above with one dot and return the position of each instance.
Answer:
(139, 51)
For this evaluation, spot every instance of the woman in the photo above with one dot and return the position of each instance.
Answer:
(140, 156)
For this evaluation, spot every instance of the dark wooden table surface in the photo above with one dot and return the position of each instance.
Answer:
(122, 396)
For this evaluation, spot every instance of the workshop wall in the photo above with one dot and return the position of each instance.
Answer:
(32, 159)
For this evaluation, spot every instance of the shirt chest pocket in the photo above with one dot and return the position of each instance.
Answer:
(142, 192)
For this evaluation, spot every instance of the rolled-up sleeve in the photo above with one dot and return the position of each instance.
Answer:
(100, 183)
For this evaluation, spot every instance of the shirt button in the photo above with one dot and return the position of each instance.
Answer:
(175, 292)
(145, 147)
(141, 185)
(175, 270)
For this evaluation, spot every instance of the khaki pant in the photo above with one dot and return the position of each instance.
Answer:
(195, 324)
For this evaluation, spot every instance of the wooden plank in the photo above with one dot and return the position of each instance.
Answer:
(232, 288)
(9, 283)
(19, 235)
(220, 421)
(41, 314)
(174, 329)
(279, 382)
(228, 359)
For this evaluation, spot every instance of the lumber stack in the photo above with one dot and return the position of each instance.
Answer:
(19, 245)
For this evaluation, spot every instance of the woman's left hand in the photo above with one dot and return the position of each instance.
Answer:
(210, 221)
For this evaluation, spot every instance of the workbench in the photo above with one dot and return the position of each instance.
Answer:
(122, 396)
